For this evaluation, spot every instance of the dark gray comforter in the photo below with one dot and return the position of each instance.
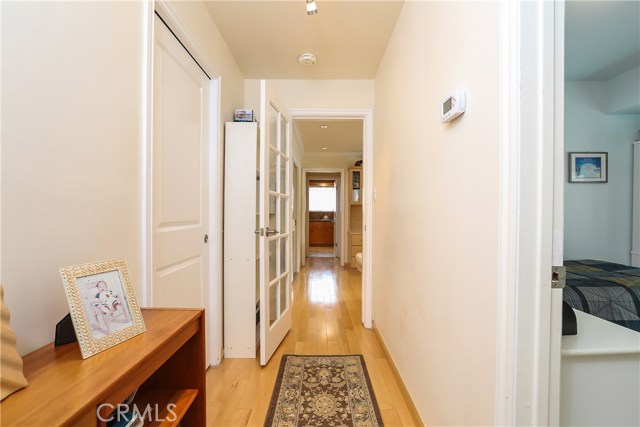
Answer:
(604, 289)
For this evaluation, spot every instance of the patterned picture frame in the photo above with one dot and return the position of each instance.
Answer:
(102, 305)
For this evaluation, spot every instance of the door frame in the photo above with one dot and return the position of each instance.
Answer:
(529, 138)
(367, 197)
(216, 161)
(557, 251)
(340, 205)
(297, 197)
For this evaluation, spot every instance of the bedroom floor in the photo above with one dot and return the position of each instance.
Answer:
(326, 320)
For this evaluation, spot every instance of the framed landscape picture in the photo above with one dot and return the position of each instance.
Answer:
(588, 167)
(102, 305)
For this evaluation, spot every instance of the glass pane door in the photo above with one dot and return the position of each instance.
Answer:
(275, 269)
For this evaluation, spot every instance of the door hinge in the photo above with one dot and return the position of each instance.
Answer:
(558, 277)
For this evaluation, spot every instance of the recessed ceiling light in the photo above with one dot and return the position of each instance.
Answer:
(324, 127)
(324, 148)
(307, 58)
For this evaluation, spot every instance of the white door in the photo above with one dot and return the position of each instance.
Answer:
(275, 225)
(180, 173)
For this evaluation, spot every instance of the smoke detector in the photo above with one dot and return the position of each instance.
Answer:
(307, 58)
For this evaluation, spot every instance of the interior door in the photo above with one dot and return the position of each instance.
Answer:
(275, 224)
(179, 176)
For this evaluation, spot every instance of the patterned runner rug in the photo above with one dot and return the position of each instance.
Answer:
(323, 391)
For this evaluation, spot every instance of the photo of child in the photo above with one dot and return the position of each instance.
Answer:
(107, 299)
(105, 303)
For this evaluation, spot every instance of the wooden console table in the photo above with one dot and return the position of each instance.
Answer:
(166, 364)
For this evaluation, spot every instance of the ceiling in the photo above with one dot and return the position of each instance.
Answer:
(349, 39)
(266, 37)
(340, 136)
(602, 39)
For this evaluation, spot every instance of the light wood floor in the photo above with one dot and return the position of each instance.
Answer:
(321, 251)
(326, 320)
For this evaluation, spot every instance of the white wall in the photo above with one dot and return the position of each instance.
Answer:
(624, 93)
(331, 160)
(598, 216)
(72, 132)
(316, 94)
(436, 214)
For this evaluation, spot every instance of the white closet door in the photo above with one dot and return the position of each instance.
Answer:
(180, 173)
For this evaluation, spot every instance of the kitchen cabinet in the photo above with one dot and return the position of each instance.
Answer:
(321, 233)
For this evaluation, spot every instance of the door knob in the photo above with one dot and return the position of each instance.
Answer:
(271, 232)
(206, 238)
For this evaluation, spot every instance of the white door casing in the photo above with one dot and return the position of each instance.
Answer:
(367, 197)
(340, 227)
(295, 227)
(275, 224)
(180, 256)
(528, 306)
(337, 221)
(635, 248)
(557, 254)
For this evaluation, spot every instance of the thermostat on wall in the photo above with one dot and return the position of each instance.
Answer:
(453, 106)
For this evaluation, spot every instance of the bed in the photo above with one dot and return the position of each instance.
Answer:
(604, 289)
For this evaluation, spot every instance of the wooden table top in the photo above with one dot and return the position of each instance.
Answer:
(63, 387)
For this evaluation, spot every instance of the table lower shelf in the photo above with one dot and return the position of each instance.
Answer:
(159, 407)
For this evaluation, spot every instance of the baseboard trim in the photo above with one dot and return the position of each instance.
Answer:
(403, 389)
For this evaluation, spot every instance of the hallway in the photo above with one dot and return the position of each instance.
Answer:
(321, 252)
(326, 320)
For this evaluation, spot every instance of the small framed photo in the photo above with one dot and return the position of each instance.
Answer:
(588, 167)
(103, 307)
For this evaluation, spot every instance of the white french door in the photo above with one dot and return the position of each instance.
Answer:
(275, 224)
(180, 175)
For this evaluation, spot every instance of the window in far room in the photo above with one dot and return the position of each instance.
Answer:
(322, 199)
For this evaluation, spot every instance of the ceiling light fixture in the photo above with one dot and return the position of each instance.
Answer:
(324, 148)
(311, 7)
(307, 58)
(324, 127)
